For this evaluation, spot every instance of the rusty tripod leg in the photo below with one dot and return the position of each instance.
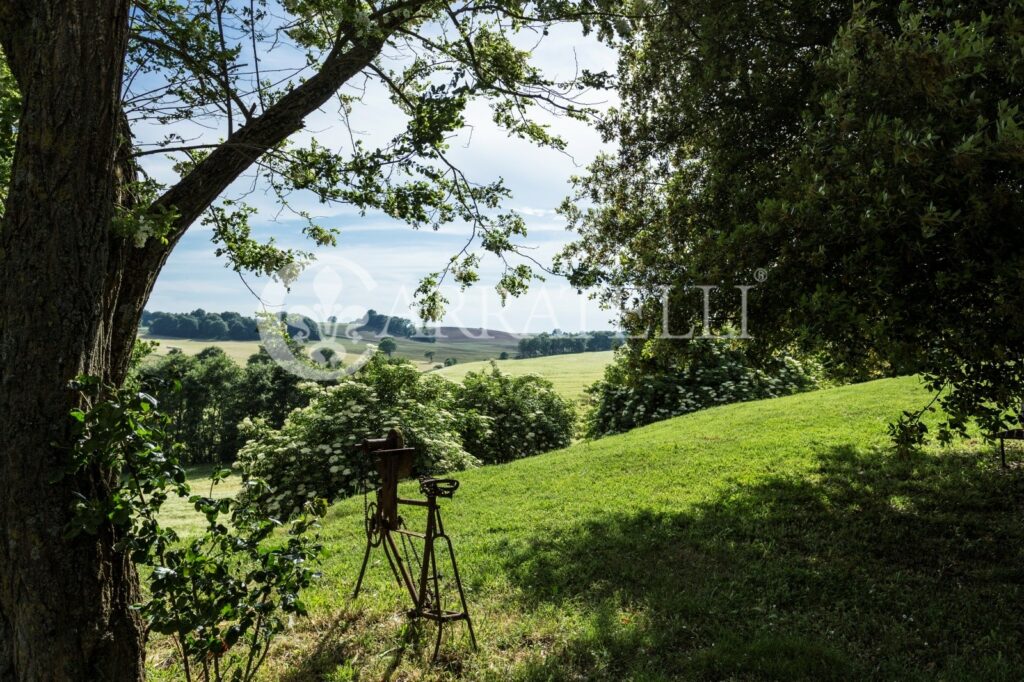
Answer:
(398, 566)
(430, 604)
(362, 571)
(429, 575)
(366, 561)
(391, 553)
(458, 580)
(437, 601)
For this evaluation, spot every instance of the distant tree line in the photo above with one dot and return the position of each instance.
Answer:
(381, 324)
(562, 344)
(225, 326)
(208, 394)
(217, 405)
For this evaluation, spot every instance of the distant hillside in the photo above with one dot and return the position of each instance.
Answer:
(239, 337)
(456, 334)
(462, 348)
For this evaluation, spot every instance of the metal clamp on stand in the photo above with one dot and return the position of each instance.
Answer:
(383, 524)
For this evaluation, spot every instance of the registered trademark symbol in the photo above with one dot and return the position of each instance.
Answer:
(760, 274)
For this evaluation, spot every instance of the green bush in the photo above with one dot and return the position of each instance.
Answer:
(712, 373)
(524, 415)
(314, 453)
(223, 596)
(208, 394)
(199, 393)
(493, 417)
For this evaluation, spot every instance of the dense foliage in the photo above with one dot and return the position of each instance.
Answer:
(223, 595)
(314, 453)
(492, 418)
(867, 157)
(208, 394)
(559, 343)
(388, 325)
(712, 373)
(523, 415)
(387, 346)
(10, 100)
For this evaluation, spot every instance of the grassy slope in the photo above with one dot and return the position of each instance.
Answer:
(767, 540)
(569, 373)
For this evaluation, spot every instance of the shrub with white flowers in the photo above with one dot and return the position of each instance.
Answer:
(713, 373)
(524, 415)
(314, 453)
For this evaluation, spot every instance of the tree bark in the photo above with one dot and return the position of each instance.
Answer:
(71, 295)
(64, 603)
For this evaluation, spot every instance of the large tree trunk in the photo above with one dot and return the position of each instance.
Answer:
(65, 296)
(71, 293)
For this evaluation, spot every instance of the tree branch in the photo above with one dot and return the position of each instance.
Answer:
(200, 68)
(196, 191)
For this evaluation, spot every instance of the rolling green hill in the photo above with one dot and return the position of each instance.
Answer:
(569, 373)
(776, 539)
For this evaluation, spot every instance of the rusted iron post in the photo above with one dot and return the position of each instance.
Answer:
(393, 462)
(1003, 436)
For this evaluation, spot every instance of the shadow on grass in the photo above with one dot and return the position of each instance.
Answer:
(341, 642)
(330, 650)
(874, 567)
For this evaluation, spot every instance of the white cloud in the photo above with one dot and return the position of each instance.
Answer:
(397, 256)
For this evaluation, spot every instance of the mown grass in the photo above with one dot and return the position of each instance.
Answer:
(180, 515)
(570, 374)
(768, 540)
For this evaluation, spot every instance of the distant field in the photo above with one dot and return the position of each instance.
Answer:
(239, 351)
(569, 373)
(464, 350)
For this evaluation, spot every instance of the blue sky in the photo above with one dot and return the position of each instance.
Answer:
(378, 262)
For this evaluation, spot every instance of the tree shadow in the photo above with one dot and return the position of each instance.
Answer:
(875, 566)
(331, 649)
(340, 644)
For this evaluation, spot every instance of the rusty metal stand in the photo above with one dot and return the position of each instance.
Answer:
(1003, 436)
(394, 461)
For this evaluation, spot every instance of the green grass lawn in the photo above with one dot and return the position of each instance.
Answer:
(180, 515)
(769, 540)
(569, 373)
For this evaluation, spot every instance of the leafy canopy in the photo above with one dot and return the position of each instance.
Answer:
(241, 68)
(215, 96)
(868, 157)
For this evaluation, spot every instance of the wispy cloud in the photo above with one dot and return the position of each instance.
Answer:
(396, 255)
